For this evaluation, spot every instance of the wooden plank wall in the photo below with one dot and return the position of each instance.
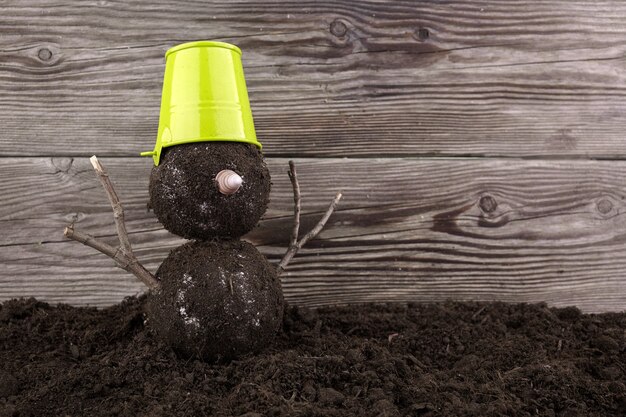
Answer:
(479, 144)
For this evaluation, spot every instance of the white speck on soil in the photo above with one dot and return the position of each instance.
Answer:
(187, 318)
(182, 310)
(187, 279)
(222, 276)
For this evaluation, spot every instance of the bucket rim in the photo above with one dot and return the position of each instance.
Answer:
(202, 44)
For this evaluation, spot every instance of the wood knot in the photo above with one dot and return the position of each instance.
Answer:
(488, 204)
(62, 164)
(422, 34)
(338, 28)
(44, 54)
(604, 206)
(73, 218)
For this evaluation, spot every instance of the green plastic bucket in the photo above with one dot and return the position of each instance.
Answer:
(204, 97)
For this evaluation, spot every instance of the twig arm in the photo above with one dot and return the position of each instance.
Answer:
(296, 204)
(320, 225)
(123, 255)
(118, 211)
(127, 263)
(294, 244)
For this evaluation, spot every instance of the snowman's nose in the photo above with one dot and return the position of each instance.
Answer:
(228, 182)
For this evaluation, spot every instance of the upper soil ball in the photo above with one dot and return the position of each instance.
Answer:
(218, 300)
(185, 197)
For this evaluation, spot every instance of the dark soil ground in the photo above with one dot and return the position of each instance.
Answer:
(452, 359)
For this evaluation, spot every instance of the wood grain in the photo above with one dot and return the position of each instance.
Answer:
(389, 84)
(407, 229)
(332, 79)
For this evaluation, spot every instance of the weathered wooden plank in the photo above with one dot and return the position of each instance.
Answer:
(341, 78)
(408, 229)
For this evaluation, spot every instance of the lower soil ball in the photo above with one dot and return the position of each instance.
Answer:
(187, 201)
(218, 300)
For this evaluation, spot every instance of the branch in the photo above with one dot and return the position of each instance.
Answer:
(320, 225)
(296, 204)
(118, 211)
(123, 255)
(127, 263)
(294, 244)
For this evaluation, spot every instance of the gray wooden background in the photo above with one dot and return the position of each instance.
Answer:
(479, 144)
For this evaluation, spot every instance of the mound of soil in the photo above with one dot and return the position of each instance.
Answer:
(207, 284)
(452, 359)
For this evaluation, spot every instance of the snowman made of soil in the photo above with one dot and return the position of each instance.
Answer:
(215, 297)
